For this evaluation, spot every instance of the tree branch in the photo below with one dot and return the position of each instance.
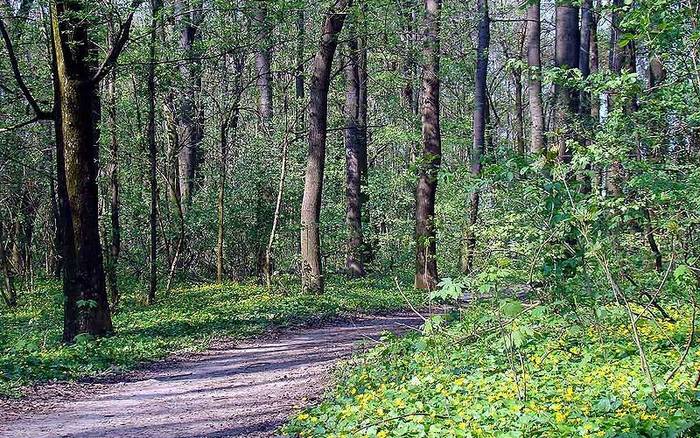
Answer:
(111, 59)
(40, 114)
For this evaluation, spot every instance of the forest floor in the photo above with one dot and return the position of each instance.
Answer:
(247, 389)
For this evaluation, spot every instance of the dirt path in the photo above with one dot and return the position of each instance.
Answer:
(244, 391)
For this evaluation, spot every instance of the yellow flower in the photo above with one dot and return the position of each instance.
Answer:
(382, 434)
(559, 417)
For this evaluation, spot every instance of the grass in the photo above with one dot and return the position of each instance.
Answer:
(30, 336)
(545, 374)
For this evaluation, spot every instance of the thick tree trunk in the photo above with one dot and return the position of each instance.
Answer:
(426, 263)
(480, 117)
(354, 263)
(311, 269)
(77, 113)
(566, 56)
(535, 78)
(263, 58)
(189, 116)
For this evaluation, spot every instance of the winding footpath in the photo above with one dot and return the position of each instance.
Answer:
(246, 390)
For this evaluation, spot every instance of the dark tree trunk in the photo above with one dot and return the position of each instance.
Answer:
(426, 264)
(584, 61)
(354, 263)
(189, 117)
(594, 62)
(263, 58)
(566, 56)
(311, 268)
(7, 290)
(156, 6)
(535, 78)
(77, 113)
(480, 117)
(301, 34)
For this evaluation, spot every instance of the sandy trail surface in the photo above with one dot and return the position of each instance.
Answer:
(243, 390)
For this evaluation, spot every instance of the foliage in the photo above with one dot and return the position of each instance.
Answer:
(540, 374)
(30, 339)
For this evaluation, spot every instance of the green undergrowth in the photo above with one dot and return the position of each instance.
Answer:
(509, 371)
(187, 320)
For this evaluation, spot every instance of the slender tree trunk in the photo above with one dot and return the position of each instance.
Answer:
(77, 113)
(230, 122)
(426, 263)
(354, 263)
(622, 58)
(189, 116)
(115, 242)
(567, 48)
(156, 6)
(263, 58)
(594, 61)
(9, 294)
(480, 116)
(584, 62)
(311, 269)
(267, 269)
(535, 78)
(301, 39)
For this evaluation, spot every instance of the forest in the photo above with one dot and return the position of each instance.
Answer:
(395, 218)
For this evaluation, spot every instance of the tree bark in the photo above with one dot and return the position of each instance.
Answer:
(263, 58)
(311, 268)
(189, 117)
(77, 112)
(566, 56)
(156, 6)
(426, 264)
(354, 263)
(480, 117)
(535, 78)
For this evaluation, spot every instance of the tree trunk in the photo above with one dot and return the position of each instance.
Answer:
(152, 156)
(480, 116)
(263, 58)
(354, 263)
(311, 269)
(584, 61)
(189, 116)
(535, 78)
(301, 34)
(566, 56)
(594, 62)
(115, 242)
(426, 264)
(77, 113)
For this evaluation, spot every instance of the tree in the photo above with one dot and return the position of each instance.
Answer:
(188, 16)
(566, 57)
(429, 163)
(263, 59)
(480, 116)
(354, 264)
(156, 6)
(76, 112)
(311, 268)
(534, 78)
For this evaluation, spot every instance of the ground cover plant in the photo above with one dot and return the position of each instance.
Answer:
(31, 350)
